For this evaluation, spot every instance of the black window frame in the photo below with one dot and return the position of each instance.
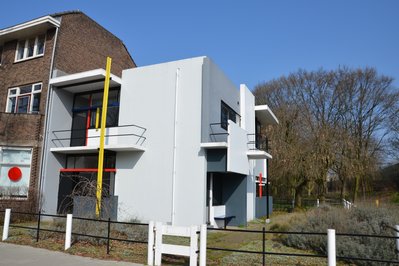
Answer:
(116, 104)
(224, 117)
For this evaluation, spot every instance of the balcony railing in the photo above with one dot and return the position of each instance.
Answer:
(217, 133)
(126, 134)
(258, 142)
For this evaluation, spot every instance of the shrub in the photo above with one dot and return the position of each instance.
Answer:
(360, 220)
(395, 198)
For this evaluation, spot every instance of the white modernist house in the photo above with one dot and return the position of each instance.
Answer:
(183, 144)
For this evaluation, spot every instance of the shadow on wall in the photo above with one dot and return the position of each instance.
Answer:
(128, 160)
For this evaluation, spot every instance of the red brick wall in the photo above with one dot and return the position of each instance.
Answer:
(84, 45)
(24, 130)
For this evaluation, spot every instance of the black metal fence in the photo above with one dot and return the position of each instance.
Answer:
(264, 252)
(262, 232)
(109, 222)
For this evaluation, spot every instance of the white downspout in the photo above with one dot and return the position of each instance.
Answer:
(175, 145)
(43, 156)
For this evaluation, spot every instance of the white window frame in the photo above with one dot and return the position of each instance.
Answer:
(18, 94)
(35, 49)
(17, 164)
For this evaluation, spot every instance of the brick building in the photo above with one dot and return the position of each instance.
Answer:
(30, 54)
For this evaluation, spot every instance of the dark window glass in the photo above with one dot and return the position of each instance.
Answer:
(90, 161)
(227, 114)
(31, 47)
(21, 48)
(25, 89)
(92, 104)
(11, 103)
(23, 104)
(40, 44)
(36, 102)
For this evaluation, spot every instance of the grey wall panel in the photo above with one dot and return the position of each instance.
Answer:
(260, 206)
(217, 160)
(235, 198)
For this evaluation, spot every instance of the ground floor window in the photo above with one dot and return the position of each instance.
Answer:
(15, 168)
(78, 182)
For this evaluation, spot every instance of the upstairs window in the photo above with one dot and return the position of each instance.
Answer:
(30, 48)
(24, 99)
(227, 113)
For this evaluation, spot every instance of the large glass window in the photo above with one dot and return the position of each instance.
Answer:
(30, 48)
(87, 111)
(24, 99)
(227, 113)
(15, 165)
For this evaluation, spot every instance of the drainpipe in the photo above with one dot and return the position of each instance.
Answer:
(43, 155)
(175, 146)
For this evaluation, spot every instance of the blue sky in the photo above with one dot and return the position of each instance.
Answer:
(252, 41)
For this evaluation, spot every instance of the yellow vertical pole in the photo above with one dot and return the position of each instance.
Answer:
(97, 117)
(102, 136)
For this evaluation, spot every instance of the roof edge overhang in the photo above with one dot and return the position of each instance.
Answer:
(28, 28)
(83, 79)
(265, 115)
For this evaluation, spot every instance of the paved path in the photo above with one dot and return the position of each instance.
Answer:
(15, 255)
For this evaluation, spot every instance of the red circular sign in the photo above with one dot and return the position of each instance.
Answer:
(14, 174)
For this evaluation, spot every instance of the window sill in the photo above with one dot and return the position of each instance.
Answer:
(33, 113)
(27, 59)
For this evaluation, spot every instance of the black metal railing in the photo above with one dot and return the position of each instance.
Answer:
(63, 138)
(217, 132)
(258, 142)
(264, 252)
(109, 222)
(262, 232)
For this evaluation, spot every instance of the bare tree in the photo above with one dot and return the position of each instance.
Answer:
(331, 122)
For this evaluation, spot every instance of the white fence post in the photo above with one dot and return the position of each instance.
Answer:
(193, 245)
(158, 243)
(331, 252)
(68, 231)
(397, 239)
(7, 216)
(318, 203)
(203, 236)
(150, 254)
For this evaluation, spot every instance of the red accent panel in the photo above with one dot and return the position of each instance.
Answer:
(14, 174)
(260, 185)
(86, 170)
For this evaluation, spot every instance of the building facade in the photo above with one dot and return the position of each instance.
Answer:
(183, 144)
(31, 53)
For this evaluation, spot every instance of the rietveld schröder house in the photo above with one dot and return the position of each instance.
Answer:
(182, 145)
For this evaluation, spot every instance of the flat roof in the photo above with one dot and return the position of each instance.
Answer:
(29, 28)
(84, 81)
(265, 115)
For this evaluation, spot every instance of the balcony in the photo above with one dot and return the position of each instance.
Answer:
(218, 137)
(258, 147)
(118, 139)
